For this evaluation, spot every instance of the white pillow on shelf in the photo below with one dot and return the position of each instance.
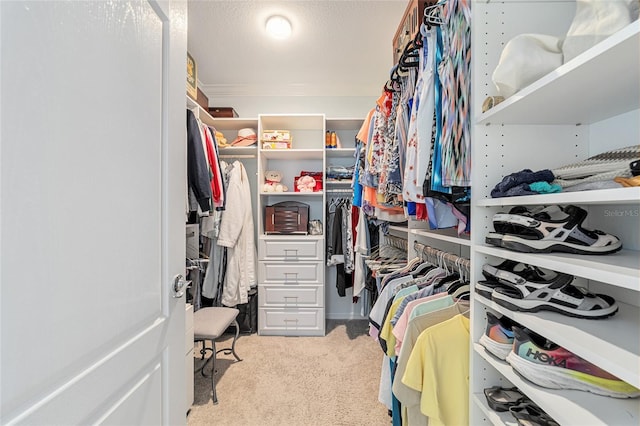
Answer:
(524, 59)
(596, 20)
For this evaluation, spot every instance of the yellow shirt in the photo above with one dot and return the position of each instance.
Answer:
(386, 330)
(438, 367)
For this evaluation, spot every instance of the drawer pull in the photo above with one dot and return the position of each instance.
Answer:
(293, 251)
(290, 320)
(286, 275)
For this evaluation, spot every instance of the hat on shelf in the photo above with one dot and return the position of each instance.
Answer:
(221, 140)
(245, 137)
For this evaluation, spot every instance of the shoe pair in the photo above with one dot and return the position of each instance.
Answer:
(512, 400)
(524, 288)
(547, 364)
(549, 229)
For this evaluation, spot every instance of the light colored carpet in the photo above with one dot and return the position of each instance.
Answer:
(296, 381)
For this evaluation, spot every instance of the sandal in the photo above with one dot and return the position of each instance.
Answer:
(493, 273)
(557, 295)
(548, 231)
(529, 414)
(502, 399)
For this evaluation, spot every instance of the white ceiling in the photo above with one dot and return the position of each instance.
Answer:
(338, 47)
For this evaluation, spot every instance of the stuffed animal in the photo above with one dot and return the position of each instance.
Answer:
(272, 183)
(306, 184)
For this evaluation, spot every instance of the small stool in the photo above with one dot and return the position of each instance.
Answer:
(210, 324)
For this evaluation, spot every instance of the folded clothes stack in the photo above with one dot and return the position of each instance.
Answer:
(612, 169)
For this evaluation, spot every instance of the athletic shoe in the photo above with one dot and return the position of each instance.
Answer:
(550, 230)
(556, 294)
(498, 337)
(551, 366)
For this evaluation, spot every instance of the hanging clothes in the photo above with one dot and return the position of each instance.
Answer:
(197, 167)
(237, 235)
(216, 269)
(456, 87)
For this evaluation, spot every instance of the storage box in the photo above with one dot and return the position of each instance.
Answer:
(317, 176)
(276, 136)
(202, 100)
(276, 145)
(224, 112)
(287, 217)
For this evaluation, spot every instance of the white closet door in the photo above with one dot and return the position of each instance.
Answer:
(92, 152)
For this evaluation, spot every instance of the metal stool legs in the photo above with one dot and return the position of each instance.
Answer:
(212, 358)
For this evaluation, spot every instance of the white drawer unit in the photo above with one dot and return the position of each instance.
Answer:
(291, 266)
(291, 272)
(292, 321)
(287, 296)
(291, 250)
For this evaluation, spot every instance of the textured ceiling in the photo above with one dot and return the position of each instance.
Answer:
(338, 47)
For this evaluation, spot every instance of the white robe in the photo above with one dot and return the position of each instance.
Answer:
(236, 233)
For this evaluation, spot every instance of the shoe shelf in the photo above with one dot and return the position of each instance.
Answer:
(613, 90)
(618, 352)
(619, 269)
(569, 407)
(449, 235)
(503, 418)
(599, 196)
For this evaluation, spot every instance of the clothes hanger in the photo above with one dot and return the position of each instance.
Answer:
(462, 292)
(410, 55)
(432, 14)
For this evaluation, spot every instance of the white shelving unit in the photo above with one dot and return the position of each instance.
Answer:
(346, 129)
(587, 106)
(291, 267)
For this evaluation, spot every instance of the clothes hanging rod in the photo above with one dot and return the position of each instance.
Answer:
(342, 191)
(395, 241)
(438, 257)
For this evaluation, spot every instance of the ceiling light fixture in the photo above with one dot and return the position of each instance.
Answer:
(279, 27)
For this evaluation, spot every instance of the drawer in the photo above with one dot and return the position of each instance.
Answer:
(290, 273)
(290, 296)
(291, 321)
(291, 249)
